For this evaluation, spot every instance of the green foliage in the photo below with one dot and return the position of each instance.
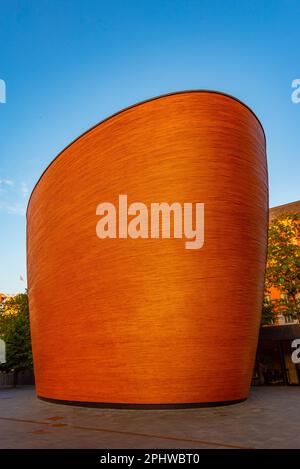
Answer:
(268, 312)
(283, 268)
(15, 331)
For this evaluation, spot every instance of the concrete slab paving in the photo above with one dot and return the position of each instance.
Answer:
(270, 418)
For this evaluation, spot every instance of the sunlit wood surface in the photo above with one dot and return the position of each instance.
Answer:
(146, 321)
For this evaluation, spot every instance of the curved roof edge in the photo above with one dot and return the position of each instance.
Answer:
(139, 104)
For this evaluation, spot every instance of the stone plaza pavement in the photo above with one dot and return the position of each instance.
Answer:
(270, 418)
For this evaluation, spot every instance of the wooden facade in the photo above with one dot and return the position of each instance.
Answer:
(145, 321)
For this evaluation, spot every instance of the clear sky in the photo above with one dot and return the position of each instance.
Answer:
(68, 64)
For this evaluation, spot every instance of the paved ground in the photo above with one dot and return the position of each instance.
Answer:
(270, 418)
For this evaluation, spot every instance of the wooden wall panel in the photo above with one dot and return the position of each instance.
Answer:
(146, 321)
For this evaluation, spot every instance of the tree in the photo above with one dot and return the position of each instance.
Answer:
(283, 268)
(15, 331)
(268, 312)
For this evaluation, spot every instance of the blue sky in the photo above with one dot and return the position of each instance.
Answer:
(68, 64)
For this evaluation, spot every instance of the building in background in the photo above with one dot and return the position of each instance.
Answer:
(275, 293)
(7, 307)
(275, 212)
(4, 297)
(274, 363)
